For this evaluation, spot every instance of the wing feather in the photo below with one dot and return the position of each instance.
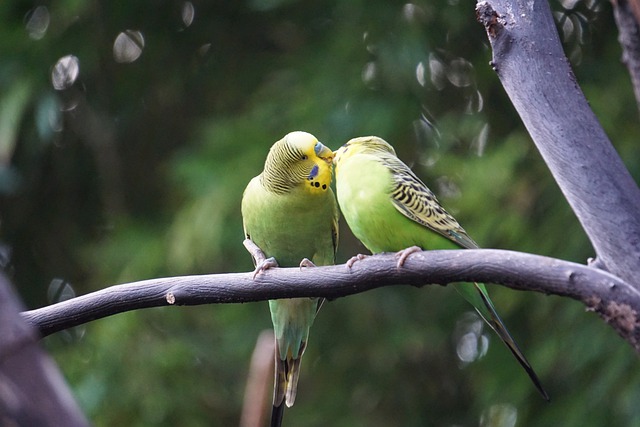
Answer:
(417, 202)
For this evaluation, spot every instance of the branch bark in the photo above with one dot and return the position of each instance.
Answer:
(528, 58)
(616, 301)
(32, 390)
(627, 16)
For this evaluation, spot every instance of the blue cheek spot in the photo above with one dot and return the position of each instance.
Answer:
(314, 172)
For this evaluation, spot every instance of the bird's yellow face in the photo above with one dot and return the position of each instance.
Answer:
(361, 145)
(316, 160)
(299, 159)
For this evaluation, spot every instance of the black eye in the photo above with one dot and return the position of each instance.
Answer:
(304, 157)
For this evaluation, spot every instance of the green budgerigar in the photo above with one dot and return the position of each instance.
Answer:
(389, 209)
(290, 212)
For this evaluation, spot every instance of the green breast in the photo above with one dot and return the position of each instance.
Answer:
(364, 188)
(290, 226)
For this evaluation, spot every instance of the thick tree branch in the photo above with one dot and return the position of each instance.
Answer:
(615, 300)
(32, 391)
(627, 15)
(528, 58)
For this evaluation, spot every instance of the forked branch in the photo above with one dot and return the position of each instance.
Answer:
(535, 73)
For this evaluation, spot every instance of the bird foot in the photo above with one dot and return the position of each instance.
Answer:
(264, 266)
(404, 254)
(256, 253)
(354, 259)
(306, 262)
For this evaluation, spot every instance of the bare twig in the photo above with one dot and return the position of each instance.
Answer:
(614, 299)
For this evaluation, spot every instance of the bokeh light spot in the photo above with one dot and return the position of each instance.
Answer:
(480, 141)
(128, 46)
(59, 290)
(459, 73)
(471, 343)
(369, 73)
(420, 73)
(499, 415)
(38, 22)
(437, 71)
(188, 13)
(65, 72)
(412, 12)
(475, 103)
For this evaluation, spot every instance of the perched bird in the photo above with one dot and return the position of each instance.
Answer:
(290, 212)
(389, 209)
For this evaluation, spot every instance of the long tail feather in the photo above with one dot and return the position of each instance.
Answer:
(280, 381)
(277, 413)
(279, 390)
(479, 298)
(285, 385)
(292, 381)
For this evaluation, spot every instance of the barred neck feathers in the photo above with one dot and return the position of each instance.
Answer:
(363, 145)
(292, 163)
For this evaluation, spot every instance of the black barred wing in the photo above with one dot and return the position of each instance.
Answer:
(414, 199)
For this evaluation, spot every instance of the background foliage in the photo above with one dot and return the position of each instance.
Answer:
(134, 168)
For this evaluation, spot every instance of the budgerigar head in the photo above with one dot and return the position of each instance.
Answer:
(298, 160)
(362, 145)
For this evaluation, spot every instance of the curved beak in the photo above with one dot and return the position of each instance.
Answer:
(323, 152)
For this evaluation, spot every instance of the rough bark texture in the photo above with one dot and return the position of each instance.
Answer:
(528, 58)
(32, 391)
(616, 301)
(627, 16)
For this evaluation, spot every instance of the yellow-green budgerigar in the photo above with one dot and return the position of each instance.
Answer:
(389, 209)
(290, 212)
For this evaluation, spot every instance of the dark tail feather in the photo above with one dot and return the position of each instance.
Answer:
(499, 327)
(279, 391)
(280, 381)
(285, 383)
(277, 413)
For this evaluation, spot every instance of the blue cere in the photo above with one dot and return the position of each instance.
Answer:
(314, 172)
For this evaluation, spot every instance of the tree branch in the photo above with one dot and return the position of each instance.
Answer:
(32, 390)
(627, 16)
(528, 58)
(615, 300)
